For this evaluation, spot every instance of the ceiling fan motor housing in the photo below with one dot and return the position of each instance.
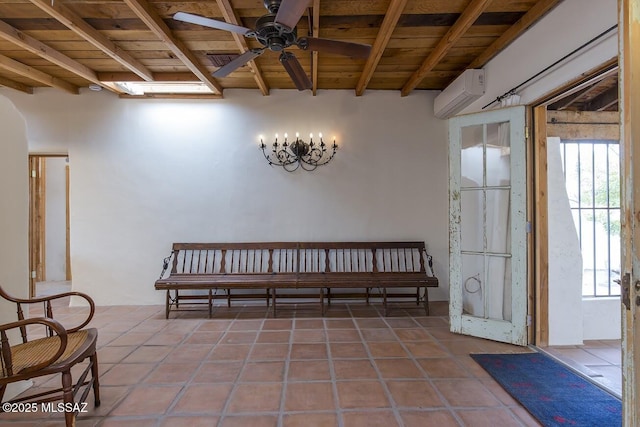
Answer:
(272, 5)
(273, 36)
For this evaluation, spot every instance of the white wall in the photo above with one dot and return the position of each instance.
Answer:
(565, 258)
(56, 220)
(147, 173)
(568, 26)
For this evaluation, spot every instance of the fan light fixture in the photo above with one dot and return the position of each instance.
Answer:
(296, 154)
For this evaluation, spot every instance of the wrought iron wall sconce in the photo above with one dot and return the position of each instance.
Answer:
(298, 154)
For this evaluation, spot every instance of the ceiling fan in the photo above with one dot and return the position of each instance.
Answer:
(277, 31)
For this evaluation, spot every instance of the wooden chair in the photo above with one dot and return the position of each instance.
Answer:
(57, 352)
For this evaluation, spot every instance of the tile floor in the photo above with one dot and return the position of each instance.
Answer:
(352, 368)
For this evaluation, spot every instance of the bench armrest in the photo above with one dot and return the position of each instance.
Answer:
(51, 324)
(165, 264)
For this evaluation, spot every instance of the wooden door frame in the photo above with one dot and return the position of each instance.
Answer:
(37, 218)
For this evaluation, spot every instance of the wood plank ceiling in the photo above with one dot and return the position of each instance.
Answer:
(416, 44)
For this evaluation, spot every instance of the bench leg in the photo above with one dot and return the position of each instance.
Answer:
(425, 301)
(168, 301)
(418, 295)
(229, 298)
(322, 301)
(329, 296)
(268, 296)
(384, 301)
(210, 302)
(273, 303)
(367, 295)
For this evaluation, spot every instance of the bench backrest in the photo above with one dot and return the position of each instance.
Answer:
(299, 257)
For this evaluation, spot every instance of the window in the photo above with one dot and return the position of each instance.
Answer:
(592, 177)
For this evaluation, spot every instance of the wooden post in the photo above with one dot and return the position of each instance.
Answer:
(629, 60)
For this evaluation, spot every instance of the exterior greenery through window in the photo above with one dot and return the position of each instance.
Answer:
(592, 177)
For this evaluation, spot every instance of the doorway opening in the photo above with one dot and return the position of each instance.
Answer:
(49, 225)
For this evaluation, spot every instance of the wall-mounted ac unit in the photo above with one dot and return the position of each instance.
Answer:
(465, 89)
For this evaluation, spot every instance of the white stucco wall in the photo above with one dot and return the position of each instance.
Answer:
(147, 173)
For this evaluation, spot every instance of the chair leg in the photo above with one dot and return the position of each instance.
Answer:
(67, 398)
(2, 389)
(94, 375)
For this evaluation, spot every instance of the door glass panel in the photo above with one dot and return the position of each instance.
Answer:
(472, 220)
(498, 154)
(473, 285)
(498, 288)
(497, 220)
(472, 159)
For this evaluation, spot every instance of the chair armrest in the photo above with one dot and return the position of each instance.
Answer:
(52, 324)
(49, 298)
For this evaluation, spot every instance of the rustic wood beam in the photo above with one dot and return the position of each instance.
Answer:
(315, 32)
(386, 29)
(36, 47)
(466, 20)
(15, 85)
(231, 17)
(150, 17)
(605, 100)
(158, 77)
(531, 17)
(37, 75)
(79, 26)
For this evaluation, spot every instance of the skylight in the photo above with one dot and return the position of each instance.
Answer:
(143, 88)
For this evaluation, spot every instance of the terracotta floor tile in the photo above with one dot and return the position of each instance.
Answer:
(466, 393)
(313, 324)
(488, 417)
(201, 398)
(166, 339)
(246, 325)
(269, 352)
(426, 349)
(499, 392)
(255, 398)
(126, 374)
(147, 400)
(239, 337)
(214, 325)
(399, 323)
(398, 368)
(413, 334)
(277, 324)
(185, 353)
(218, 372)
(306, 335)
(190, 421)
(209, 337)
(386, 349)
(148, 354)
(263, 372)
(250, 421)
(379, 334)
(348, 350)
(309, 370)
(132, 338)
(339, 324)
(361, 394)
(167, 373)
(229, 352)
(128, 422)
(315, 396)
(369, 419)
(308, 351)
(524, 416)
(443, 368)
(310, 420)
(371, 323)
(414, 394)
(429, 418)
(343, 335)
(349, 369)
(114, 354)
(462, 347)
(274, 337)
(110, 397)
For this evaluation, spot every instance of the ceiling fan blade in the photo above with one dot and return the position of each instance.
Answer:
(208, 22)
(290, 12)
(354, 50)
(295, 70)
(237, 63)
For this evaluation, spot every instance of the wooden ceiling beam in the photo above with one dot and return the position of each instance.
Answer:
(15, 85)
(386, 29)
(457, 30)
(565, 103)
(315, 32)
(159, 77)
(231, 17)
(531, 17)
(79, 26)
(36, 75)
(40, 49)
(605, 100)
(150, 17)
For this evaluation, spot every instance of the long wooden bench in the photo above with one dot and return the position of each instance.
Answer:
(223, 269)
